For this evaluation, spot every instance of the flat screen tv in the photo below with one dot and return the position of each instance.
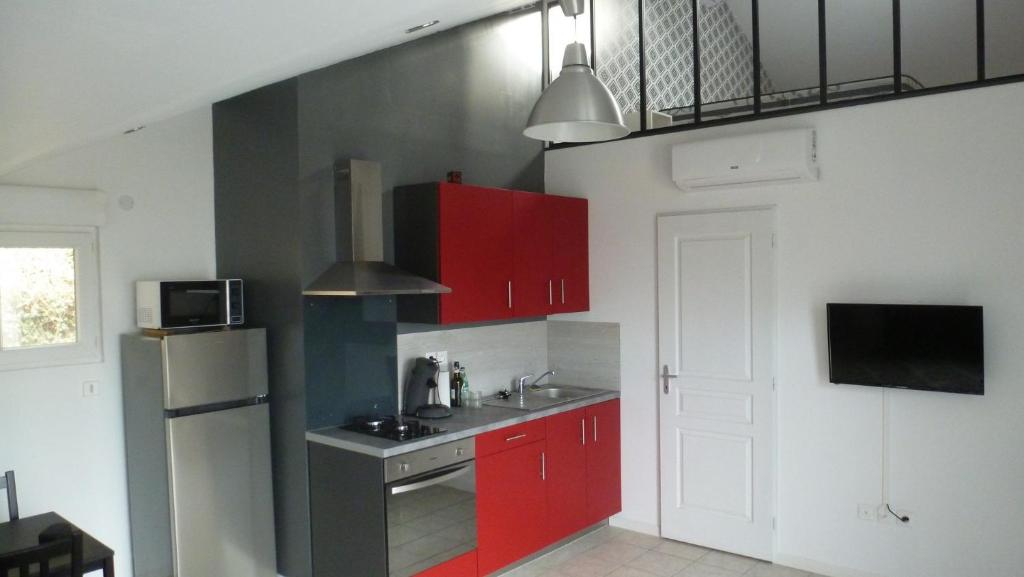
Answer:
(923, 347)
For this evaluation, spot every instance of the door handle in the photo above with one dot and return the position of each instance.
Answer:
(665, 376)
(551, 292)
(543, 467)
(563, 291)
(583, 432)
(595, 428)
(510, 295)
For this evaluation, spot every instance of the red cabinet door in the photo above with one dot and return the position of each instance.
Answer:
(511, 506)
(566, 464)
(476, 248)
(533, 288)
(570, 254)
(604, 486)
(461, 566)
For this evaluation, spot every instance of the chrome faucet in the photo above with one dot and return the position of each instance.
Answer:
(521, 386)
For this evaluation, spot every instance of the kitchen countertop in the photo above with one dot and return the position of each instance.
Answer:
(463, 423)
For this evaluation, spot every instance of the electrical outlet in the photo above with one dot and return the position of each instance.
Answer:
(441, 357)
(867, 512)
(90, 388)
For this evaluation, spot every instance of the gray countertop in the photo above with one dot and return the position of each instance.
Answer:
(463, 423)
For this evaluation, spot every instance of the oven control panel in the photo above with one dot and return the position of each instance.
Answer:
(424, 460)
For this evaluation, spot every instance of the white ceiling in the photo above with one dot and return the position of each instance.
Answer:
(74, 72)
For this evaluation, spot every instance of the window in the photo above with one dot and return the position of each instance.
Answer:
(49, 298)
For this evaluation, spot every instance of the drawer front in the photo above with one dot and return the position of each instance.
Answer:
(461, 566)
(510, 437)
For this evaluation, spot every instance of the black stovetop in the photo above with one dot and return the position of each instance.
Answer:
(394, 428)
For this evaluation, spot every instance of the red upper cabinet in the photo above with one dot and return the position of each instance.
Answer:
(570, 252)
(533, 286)
(567, 474)
(476, 234)
(604, 486)
(503, 253)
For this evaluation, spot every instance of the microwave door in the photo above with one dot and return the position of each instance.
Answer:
(194, 304)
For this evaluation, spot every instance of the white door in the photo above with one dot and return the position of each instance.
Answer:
(716, 340)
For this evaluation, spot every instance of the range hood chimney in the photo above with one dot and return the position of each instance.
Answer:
(359, 238)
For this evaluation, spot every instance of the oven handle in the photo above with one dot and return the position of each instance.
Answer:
(436, 479)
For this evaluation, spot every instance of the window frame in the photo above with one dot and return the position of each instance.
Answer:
(88, 348)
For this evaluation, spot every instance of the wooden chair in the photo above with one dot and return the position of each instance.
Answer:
(7, 482)
(58, 554)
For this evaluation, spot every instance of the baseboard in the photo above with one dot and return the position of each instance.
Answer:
(820, 568)
(624, 522)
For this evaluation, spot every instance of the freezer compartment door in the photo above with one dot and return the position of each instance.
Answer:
(214, 367)
(221, 493)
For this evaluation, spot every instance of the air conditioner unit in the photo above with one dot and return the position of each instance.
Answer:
(767, 158)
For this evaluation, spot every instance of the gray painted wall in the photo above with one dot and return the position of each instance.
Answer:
(455, 100)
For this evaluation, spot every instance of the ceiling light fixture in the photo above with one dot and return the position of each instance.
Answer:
(577, 106)
(423, 26)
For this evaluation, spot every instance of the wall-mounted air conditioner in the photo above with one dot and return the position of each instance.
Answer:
(767, 158)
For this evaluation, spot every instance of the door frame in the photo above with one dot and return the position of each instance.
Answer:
(774, 211)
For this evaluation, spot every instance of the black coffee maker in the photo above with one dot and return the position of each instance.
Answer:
(421, 395)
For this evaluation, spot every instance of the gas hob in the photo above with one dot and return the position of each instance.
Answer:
(394, 428)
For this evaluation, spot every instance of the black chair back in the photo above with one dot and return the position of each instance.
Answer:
(7, 482)
(61, 556)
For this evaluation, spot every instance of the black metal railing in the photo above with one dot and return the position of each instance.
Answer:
(701, 114)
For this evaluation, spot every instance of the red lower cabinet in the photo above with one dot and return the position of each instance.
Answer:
(541, 481)
(566, 474)
(511, 506)
(604, 480)
(461, 566)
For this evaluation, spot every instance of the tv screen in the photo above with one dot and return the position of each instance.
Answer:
(923, 347)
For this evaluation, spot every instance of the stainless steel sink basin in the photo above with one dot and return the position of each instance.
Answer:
(555, 393)
(537, 398)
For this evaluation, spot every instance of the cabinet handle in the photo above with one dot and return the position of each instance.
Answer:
(509, 294)
(563, 291)
(514, 437)
(583, 432)
(551, 297)
(543, 467)
(595, 428)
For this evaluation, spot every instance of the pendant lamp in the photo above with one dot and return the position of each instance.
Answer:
(577, 106)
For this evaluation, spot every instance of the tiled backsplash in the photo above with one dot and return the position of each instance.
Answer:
(493, 355)
(585, 354)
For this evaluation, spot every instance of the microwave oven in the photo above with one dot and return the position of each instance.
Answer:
(189, 304)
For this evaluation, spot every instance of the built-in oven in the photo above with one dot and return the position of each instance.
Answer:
(431, 506)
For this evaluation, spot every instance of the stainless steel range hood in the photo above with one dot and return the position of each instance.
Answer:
(358, 214)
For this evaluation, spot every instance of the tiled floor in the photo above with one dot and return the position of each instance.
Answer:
(613, 552)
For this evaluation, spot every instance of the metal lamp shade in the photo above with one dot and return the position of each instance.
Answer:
(576, 107)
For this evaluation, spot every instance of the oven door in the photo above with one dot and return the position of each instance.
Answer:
(431, 518)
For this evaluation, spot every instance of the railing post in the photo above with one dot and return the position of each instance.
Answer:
(897, 49)
(755, 23)
(643, 67)
(981, 39)
(822, 55)
(696, 61)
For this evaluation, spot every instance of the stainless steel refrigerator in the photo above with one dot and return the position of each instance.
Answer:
(197, 437)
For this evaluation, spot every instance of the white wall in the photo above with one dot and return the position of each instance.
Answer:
(920, 201)
(68, 451)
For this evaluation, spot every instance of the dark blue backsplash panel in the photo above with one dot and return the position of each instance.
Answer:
(351, 355)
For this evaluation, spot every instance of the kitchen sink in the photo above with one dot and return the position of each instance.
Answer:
(537, 398)
(555, 393)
